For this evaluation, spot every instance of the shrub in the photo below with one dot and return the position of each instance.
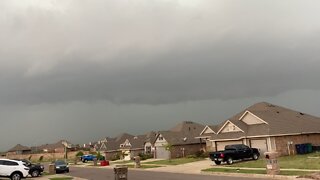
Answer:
(40, 158)
(144, 156)
(29, 158)
(80, 153)
(116, 157)
(191, 156)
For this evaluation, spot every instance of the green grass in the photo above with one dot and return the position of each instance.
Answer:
(286, 162)
(61, 178)
(174, 161)
(246, 171)
(144, 166)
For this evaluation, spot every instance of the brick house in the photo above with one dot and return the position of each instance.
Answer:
(264, 126)
(182, 140)
(19, 149)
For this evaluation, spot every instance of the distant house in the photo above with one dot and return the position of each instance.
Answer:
(113, 146)
(58, 147)
(264, 126)
(182, 140)
(133, 146)
(19, 149)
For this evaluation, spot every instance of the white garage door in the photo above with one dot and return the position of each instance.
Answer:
(162, 153)
(222, 144)
(260, 144)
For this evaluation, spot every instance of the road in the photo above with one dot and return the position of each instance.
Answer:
(107, 174)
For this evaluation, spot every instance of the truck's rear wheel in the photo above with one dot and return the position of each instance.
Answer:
(229, 160)
(217, 162)
(255, 156)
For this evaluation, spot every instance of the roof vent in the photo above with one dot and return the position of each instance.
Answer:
(301, 113)
(135, 137)
(185, 139)
(278, 112)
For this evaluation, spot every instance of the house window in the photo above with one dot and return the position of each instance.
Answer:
(160, 138)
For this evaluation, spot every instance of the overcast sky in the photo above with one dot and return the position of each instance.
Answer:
(83, 70)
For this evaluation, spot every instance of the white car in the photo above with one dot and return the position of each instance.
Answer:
(15, 170)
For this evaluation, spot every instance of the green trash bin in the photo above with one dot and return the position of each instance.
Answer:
(309, 148)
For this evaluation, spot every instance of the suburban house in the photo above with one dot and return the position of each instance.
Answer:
(264, 126)
(19, 149)
(133, 146)
(58, 147)
(112, 146)
(181, 140)
(149, 143)
(126, 146)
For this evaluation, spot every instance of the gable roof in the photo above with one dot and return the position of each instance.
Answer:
(59, 144)
(183, 133)
(279, 121)
(19, 147)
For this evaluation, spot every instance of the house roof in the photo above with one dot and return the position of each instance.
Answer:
(279, 121)
(59, 144)
(19, 147)
(183, 133)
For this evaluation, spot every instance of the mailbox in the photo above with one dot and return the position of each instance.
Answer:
(137, 160)
(272, 165)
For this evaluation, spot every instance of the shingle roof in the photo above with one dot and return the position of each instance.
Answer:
(279, 121)
(59, 144)
(183, 133)
(19, 147)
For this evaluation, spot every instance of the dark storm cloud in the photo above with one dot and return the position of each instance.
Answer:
(72, 67)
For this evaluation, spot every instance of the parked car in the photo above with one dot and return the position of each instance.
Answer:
(234, 152)
(61, 166)
(13, 169)
(35, 170)
(88, 157)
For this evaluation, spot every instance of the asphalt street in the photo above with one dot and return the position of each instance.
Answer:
(107, 174)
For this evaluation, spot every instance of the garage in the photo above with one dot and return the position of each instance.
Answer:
(260, 144)
(222, 144)
(162, 153)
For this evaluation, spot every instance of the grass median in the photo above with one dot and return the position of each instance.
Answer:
(253, 171)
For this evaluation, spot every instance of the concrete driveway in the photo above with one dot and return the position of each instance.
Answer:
(188, 168)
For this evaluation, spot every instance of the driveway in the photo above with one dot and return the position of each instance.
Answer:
(188, 168)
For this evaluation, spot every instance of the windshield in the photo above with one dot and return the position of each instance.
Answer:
(60, 163)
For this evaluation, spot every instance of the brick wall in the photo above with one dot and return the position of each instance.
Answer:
(282, 147)
(46, 156)
(177, 151)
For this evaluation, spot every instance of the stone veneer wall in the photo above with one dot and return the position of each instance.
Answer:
(281, 142)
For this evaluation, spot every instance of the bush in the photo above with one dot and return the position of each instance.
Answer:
(29, 158)
(191, 156)
(144, 156)
(116, 157)
(40, 158)
(80, 153)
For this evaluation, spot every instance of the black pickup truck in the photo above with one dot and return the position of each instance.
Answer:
(234, 152)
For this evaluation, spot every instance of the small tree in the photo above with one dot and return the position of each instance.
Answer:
(80, 153)
(169, 147)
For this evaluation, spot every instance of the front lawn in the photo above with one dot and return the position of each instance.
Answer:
(247, 171)
(174, 161)
(144, 166)
(305, 161)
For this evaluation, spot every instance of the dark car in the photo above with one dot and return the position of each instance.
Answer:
(234, 152)
(61, 166)
(35, 170)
